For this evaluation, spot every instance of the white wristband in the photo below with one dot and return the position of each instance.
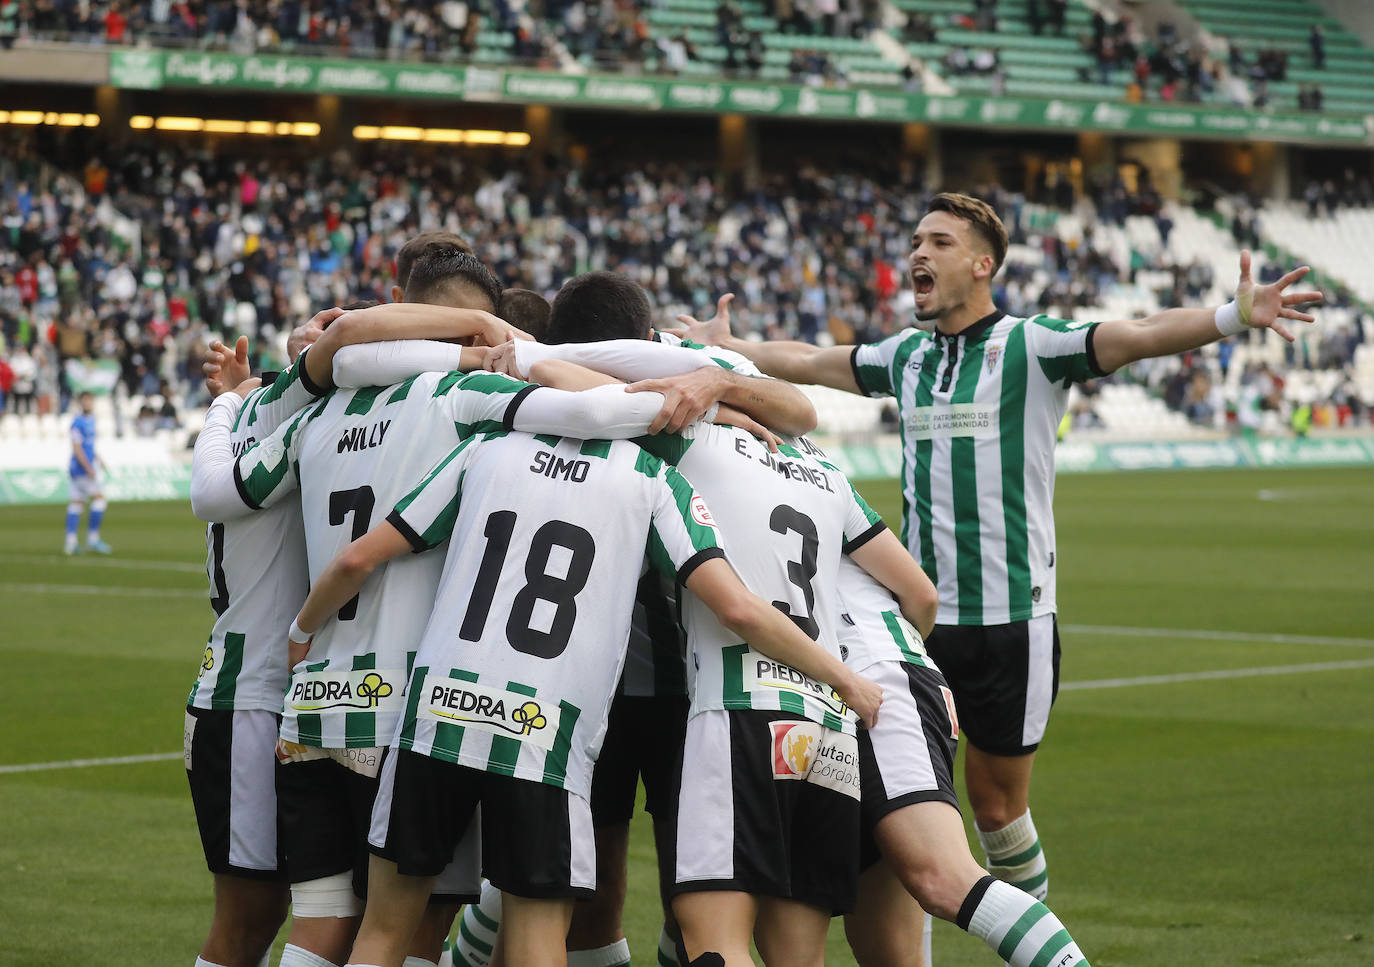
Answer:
(1228, 320)
(297, 635)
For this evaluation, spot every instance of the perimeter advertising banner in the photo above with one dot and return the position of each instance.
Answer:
(158, 69)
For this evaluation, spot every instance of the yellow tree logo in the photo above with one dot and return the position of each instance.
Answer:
(373, 688)
(529, 717)
(208, 662)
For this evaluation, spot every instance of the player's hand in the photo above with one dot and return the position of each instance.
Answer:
(729, 416)
(496, 331)
(225, 368)
(296, 652)
(686, 397)
(1262, 306)
(714, 331)
(303, 336)
(864, 697)
(501, 359)
(246, 387)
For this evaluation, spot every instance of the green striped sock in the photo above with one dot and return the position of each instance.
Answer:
(1015, 856)
(612, 955)
(667, 950)
(1019, 927)
(477, 929)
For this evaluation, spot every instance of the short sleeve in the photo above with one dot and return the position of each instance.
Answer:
(279, 402)
(873, 364)
(481, 402)
(266, 471)
(426, 516)
(1064, 349)
(861, 522)
(682, 534)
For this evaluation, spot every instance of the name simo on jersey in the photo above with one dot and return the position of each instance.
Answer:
(791, 469)
(548, 464)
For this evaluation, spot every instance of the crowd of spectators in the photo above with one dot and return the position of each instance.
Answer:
(120, 262)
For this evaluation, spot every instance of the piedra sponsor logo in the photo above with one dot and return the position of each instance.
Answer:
(491, 709)
(762, 672)
(321, 691)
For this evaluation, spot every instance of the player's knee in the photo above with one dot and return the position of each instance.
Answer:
(98, 504)
(887, 944)
(75, 507)
(329, 896)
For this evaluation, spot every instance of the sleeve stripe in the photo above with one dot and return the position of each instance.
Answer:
(416, 542)
(696, 560)
(242, 488)
(508, 420)
(865, 537)
(1092, 351)
(310, 385)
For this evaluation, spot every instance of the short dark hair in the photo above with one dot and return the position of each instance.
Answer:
(434, 276)
(527, 311)
(981, 218)
(599, 305)
(361, 304)
(426, 244)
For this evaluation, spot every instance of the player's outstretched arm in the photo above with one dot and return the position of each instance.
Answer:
(213, 495)
(402, 320)
(892, 566)
(1178, 330)
(345, 575)
(773, 633)
(796, 362)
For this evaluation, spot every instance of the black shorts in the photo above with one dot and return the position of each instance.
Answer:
(644, 738)
(325, 810)
(230, 765)
(1005, 678)
(908, 757)
(768, 804)
(536, 839)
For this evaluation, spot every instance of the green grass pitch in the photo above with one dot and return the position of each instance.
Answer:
(1191, 820)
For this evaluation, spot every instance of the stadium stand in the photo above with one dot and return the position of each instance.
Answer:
(233, 244)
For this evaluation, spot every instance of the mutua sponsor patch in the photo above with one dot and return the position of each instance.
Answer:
(952, 420)
(759, 672)
(494, 710)
(370, 690)
(812, 753)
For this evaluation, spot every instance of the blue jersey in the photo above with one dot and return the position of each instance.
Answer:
(83, 433)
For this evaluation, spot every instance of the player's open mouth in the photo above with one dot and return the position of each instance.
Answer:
(922, 282)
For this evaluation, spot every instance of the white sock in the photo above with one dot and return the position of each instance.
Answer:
(1015, 856)
(667, 950)
(293, 956)
(418, 962)
(202, 962)
(477, 928)
(612, 955)
(925, 942)
(1019, 927)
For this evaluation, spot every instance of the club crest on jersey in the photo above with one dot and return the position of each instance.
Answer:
(492, 710)
(701, 513)
(321, 691)
(992, 354)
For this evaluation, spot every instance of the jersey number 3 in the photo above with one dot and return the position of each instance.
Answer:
(553, 597)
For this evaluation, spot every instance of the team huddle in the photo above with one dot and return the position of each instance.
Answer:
(516, 587)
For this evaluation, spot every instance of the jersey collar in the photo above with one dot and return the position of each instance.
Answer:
(976, 331)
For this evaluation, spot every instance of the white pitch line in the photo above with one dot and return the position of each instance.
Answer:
(102, 590)
(1202, 634)
(1319, 666)
(119, 760)
(86, 561)
(1066, 687)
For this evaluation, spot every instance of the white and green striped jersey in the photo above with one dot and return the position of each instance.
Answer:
(872, 628)
(786, 519)
(979, 413)
(546, 537)
(257, 570)
(353, 455)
